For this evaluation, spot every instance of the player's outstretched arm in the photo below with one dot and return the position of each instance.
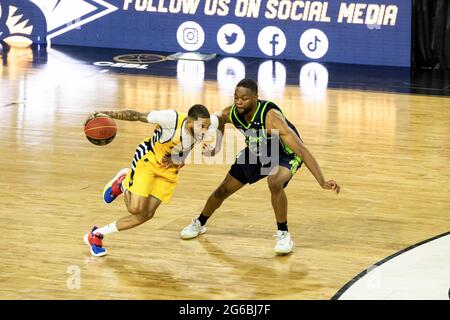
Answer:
(276, 121)
(128, 115)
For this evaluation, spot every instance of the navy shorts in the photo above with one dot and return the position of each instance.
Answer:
(247, 171)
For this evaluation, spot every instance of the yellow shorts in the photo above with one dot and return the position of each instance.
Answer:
(146, 182)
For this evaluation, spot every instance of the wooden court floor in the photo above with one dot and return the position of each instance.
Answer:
(390, 152)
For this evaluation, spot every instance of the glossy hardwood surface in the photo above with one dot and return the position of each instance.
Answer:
(390, 153)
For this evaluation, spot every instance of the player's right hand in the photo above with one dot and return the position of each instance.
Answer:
(332, 185)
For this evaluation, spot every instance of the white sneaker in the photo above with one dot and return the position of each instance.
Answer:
(193, 230)
(284, 243)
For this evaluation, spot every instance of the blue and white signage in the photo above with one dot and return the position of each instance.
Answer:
(360, 32)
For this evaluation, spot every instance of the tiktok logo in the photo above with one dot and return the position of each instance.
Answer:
(314, 43)
(271, 41)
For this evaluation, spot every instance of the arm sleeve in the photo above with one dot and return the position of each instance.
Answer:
(163, 118)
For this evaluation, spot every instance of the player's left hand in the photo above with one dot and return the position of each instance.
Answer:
(167, 162)
(332, 185)
(94, 115)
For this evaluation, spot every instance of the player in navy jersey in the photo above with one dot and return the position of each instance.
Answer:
(274, 150)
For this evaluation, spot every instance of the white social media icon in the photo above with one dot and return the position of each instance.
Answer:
(314, 43)
(313, 81)
(229, 72)
(231, 38)
(271, 41)
(190, 36)
(272, 79)
(191, 75)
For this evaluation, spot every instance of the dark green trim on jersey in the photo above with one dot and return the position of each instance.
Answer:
(234, 113)
(263, 119)
(255, 131)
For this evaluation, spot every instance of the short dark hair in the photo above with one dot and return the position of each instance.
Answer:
(198, 111)
(249, 84)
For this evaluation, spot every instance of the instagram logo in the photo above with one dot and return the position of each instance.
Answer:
(190, 36)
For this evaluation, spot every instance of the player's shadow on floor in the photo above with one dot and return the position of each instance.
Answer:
(129, 278)
(281, 277)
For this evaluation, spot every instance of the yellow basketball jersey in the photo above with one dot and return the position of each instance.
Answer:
(151, 151)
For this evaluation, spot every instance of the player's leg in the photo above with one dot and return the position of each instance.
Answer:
(236, 178)
(228, 186)
(141, 209)
(276, 184)
(277, 181)
(111, 191)
(144, 193)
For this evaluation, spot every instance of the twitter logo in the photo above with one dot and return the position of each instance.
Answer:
(231, 38)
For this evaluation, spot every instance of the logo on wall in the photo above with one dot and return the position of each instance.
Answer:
(231, 38)
(271, 41)
(314, 43)
(41, 20)
(190, 36)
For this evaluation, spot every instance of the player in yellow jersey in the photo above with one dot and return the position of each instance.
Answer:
(151, 179)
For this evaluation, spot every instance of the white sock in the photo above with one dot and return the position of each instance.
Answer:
(108, 229)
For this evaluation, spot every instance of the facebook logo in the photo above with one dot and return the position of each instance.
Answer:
(271, 41)
(274, 43)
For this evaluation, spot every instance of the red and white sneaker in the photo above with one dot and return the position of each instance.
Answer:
(113, 188)
(95, 242)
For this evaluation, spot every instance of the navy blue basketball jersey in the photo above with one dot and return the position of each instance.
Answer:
(256, 137)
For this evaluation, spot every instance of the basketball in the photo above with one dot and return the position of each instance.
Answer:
(100, 129)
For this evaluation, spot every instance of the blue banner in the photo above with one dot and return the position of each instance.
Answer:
(358, 32)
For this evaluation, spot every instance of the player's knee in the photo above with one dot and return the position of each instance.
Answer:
(144, 215)
(135, 209)
(138, 210)
(275, 185)
(222, 192)
(150, 213)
